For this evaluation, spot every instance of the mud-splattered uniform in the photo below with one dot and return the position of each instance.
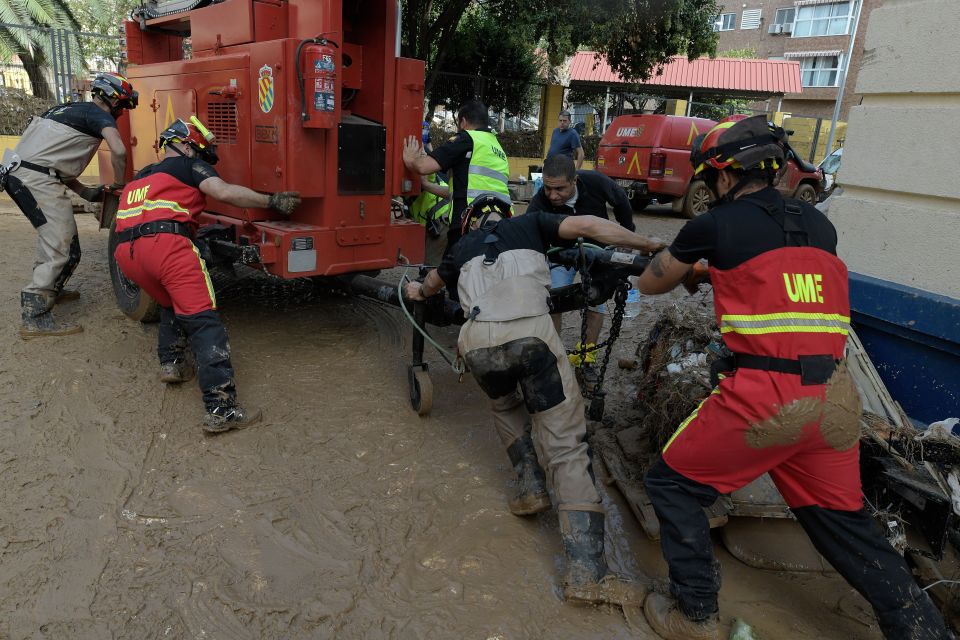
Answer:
(155, 224)
(502, 277)
(789, 408)
(54, 149)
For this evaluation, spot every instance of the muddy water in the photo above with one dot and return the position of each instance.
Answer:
(344, 515)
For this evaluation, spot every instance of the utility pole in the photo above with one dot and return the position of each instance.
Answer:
(843, 79)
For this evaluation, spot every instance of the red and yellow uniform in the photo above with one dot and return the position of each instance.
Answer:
(167, 265)
(788, 304)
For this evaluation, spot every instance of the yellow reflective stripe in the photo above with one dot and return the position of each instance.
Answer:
(206, 276)
(150, 205)
(785, 329)
(787, 316)
(685, 423)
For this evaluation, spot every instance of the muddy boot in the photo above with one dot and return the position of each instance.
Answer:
(67, 295)
(220, 419)
(587, 580)
(531, 494)
(176, 372)
(37, 320)
(665, 617)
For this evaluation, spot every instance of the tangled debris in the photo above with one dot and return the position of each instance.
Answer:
(675, 364)
(16, 108)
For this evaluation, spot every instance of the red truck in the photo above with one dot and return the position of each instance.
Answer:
(649, 156)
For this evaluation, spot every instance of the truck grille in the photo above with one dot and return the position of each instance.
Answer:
(222, 121)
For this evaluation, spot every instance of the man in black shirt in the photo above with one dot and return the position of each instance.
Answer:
(578, 193)
(475, 163)
(155, 229)
(514, 353)
(52, 152)
(785, 405)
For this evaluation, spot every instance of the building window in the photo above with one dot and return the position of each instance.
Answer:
(750, 19)
(820, 71)
(725, 22)
(823, 20)
(784, 16)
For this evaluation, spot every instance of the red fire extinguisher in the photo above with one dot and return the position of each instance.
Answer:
(318, 83)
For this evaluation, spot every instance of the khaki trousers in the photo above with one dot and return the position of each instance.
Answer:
(522, 367)
(58, 245)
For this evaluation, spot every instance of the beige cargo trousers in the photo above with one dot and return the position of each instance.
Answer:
(522, 366)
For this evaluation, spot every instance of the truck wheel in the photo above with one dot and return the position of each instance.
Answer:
(807, 193)
(697, 200)
(638, 203)
(134, 303)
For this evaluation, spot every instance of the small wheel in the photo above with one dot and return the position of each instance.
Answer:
(421, 392)
(697, 200)
(134, 303)
(806, 192)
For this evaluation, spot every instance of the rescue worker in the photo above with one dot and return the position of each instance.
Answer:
(572, 192)
(155, 228)
(475, 162)
(54, 149)
(432, 210)
(787, 404)
(501, 273)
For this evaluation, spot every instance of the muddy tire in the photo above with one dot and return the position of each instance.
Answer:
(134, 303)
(806, 192)
(639, 204)
(421, 392)
(697, 200)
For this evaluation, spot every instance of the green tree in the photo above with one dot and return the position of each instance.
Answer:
(506, 59)
(103, 19)
(636, 36)
(33, 43)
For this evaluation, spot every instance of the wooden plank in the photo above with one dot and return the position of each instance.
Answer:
(604, 443)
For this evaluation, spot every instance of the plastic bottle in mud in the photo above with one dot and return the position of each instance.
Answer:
(632, 310)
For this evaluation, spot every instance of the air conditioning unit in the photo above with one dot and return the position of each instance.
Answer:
(787, 27)
(775, 28)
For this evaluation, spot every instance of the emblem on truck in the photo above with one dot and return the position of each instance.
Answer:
(266, 88)
(629, 132)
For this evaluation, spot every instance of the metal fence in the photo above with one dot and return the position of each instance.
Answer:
(514, 103)
(43, 66)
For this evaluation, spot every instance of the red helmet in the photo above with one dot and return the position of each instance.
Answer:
(482, 207)
(739, 142)
(111, 86)
(193, 134)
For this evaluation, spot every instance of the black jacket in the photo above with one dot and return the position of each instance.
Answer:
(594, 191)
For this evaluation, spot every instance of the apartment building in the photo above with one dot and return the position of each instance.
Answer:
(816, 33)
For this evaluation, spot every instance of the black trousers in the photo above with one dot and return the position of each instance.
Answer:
(207, 338)
(851, 541)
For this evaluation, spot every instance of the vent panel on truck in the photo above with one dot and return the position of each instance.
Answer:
(222, 121)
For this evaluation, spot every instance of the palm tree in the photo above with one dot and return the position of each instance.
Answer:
(33, 42)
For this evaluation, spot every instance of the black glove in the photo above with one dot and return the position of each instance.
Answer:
(284, 201)
(92, 194)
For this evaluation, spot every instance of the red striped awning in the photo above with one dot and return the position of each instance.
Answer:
(723, 74)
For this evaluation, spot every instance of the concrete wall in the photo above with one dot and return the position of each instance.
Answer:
(899, 218)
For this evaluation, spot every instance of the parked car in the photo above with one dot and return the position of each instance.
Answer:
(649, 156)
(829, 166)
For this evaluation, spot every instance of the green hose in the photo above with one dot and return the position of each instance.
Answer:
(455, 363)
(585, 244)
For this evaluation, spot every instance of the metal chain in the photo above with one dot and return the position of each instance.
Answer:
(616, 322)
(620, 302)
(585, 281)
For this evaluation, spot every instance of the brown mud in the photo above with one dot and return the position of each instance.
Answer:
(342, 515)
